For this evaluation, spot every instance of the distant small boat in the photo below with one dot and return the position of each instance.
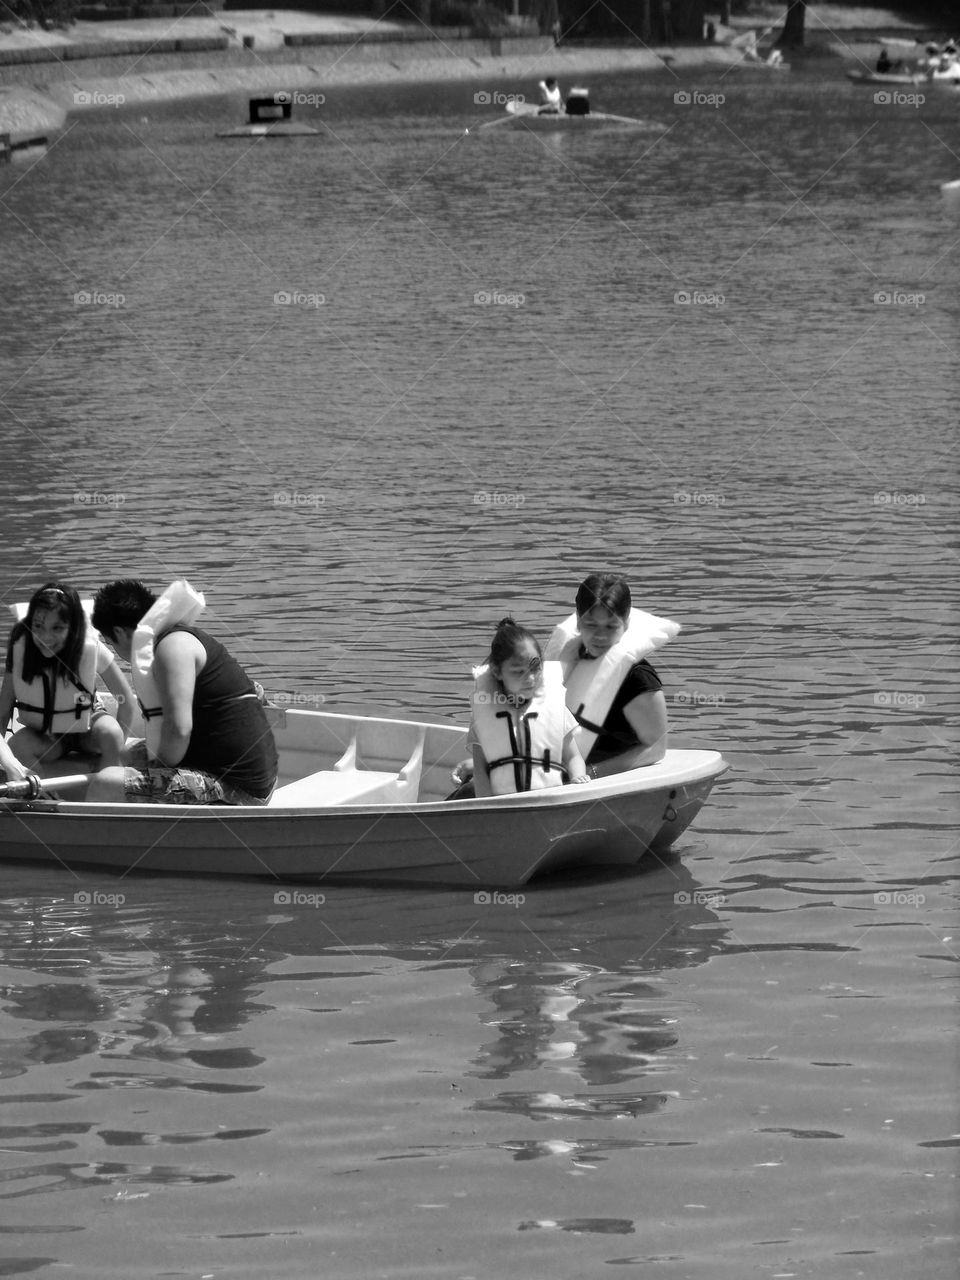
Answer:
(271, 118)
(951, 197)
(947, 76)
(576, 114)
(885, 77)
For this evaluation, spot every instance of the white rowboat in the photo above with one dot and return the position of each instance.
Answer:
(361, 798)
(530, 116)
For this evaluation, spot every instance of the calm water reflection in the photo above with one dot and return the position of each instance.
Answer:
(656, 1070)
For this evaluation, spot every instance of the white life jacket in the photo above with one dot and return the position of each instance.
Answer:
(592, 683)
(56, 702)
(179, 604)
(523, 748)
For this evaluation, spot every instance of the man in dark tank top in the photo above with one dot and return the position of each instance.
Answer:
(214, 744)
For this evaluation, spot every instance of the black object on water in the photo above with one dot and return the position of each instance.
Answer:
(578, 102)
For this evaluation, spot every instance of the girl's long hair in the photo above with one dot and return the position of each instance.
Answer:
(53, 597)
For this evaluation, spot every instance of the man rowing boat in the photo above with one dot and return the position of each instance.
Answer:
(208, 740)
(551, 99)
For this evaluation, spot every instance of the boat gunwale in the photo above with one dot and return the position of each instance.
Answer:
(566, 799)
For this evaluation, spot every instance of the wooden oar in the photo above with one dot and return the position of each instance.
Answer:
(492, 124)
(647, 124)
(30, 788)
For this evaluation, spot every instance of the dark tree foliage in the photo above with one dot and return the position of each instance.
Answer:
(481, 18)
(638, 21)
(49, 13)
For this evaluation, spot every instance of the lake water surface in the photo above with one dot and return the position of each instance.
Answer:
(370, 392)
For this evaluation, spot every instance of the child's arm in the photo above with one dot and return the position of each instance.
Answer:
(573, 760)
(10, 767)
(6, 702)
(118, 685)
(481, 775)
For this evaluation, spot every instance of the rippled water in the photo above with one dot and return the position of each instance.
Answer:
(738, 1063)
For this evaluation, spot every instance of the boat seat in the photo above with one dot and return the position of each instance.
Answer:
(329, 786)
(346, 784)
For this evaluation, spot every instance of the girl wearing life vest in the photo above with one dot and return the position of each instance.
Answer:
(521, 733)
(53, 660)
(614, 693)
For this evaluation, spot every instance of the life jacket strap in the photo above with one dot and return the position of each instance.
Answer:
(81, 704)
(543, 762)
(584, 723)
(521, 755)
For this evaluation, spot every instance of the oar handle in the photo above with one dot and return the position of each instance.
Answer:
(32, 786)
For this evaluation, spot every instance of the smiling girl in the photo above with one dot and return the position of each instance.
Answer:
(53, 660)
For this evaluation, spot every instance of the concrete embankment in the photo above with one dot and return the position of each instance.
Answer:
(325, 68)
(84, 84)
(142, 62)
(27, 114)
(97, 65)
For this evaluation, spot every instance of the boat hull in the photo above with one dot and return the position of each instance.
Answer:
(526, 115)
(500, 841)
(281, 129)
(882, 77)
(929, 80)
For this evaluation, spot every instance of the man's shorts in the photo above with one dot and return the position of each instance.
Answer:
(150, 783)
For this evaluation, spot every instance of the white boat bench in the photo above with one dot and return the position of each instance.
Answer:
(346, 784)
(329, 786)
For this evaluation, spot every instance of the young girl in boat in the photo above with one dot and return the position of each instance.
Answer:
(521, 733)
(53, 660)
(615, 694)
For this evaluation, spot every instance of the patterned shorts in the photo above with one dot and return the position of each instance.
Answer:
(150, 783)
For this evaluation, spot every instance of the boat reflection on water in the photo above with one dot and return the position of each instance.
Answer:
(184, 994)
(565, 988)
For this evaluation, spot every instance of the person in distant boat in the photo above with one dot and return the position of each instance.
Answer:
(604, 669)
(208, 739)
(932, 59)
(54, 660)
(521, 733)
(551, 99)
(885, 66)
(748, 44)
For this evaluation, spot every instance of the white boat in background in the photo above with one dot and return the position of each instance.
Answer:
(865, 76)
(947, 76)
(575, 114)
(951, 198)
(362, 798)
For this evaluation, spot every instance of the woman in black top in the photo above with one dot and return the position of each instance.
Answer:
(635, 727)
